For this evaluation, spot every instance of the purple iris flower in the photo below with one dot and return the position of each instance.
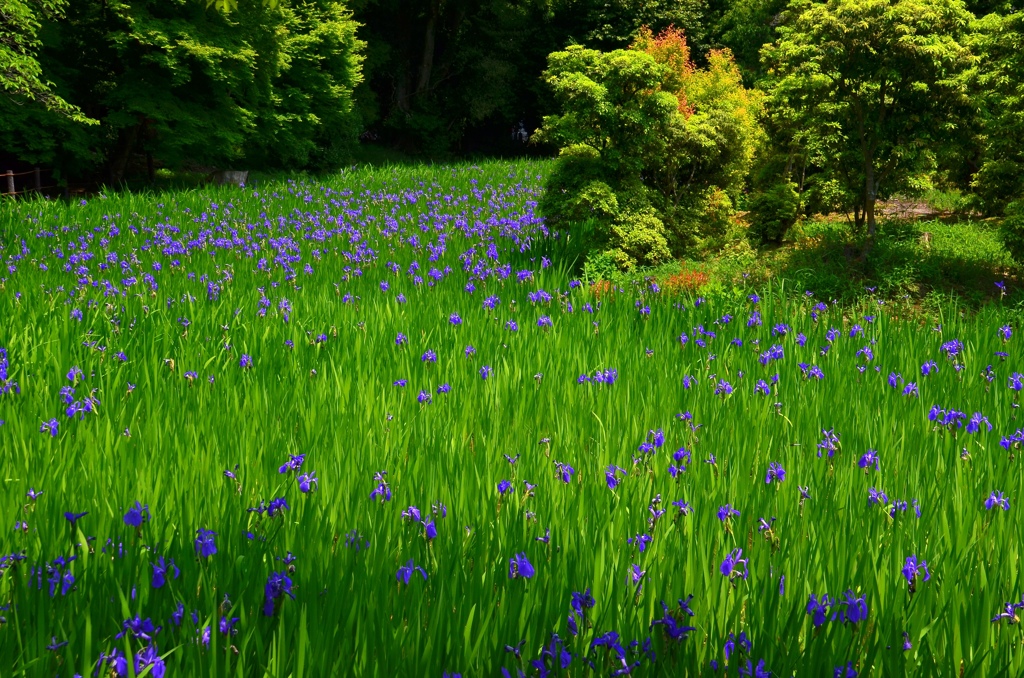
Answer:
(997, 499)
(49, 427)
(1009, 613)
(308, 481)
(520, 566)
(730, 567)
(869, 459)
(405, 572)
(294, 463)
(641, 541)
(277, 507)
(845, 671)
(136, 515)
(829, 442)
(818, 608)
(758, 671)
(160, 570)
(977, 419)
(581, 602)
(674, 629)
(205, 544)
(74, 517)
(278, 585)
(851, 608)
(913, 568)
(149, 658)
(726, 512)
(610, 477)
(383, 490)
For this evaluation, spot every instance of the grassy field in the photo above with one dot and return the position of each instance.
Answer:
(959, 259)
(423, 449)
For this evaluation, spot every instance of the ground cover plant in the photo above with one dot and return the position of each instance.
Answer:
(373, 426)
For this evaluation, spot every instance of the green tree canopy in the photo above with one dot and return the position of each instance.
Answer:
(21, 75)
(1000, 91)
(869, 89)
(194, 86)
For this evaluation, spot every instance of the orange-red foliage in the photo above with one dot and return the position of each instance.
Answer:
(669, 48)
(602, 288)
(685, 281)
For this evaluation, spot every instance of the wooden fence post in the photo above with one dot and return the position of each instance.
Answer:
(10, 182)
(38, 178)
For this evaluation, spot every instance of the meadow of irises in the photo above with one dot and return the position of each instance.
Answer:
(373, 425)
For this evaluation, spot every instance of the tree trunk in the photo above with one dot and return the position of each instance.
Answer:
(870, 195)
(122, 151)
(402, 93)
(403, 65)
(427, 60)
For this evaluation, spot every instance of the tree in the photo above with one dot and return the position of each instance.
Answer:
(745, 28)
(445, 74)
(456, 75)
(869, 88)
(711, 140)
(309, 66)
(609, 24)
(182, 85)
(653, 151)
(21, 76)
(1000, 90)
(614, 121)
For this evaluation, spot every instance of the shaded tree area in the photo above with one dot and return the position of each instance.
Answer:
(870, 92)
(171, 83)
(874, 99)
(453, 76)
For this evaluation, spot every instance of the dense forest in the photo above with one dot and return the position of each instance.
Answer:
(666, 115)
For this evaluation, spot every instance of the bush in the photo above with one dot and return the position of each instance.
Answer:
(1012, 231)
(652, 149)
(772, 212)
(641, 240)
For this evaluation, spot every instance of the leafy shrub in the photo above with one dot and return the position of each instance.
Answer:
(772, 212)
(1012, 231)
(652, 149)
(641, 239)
